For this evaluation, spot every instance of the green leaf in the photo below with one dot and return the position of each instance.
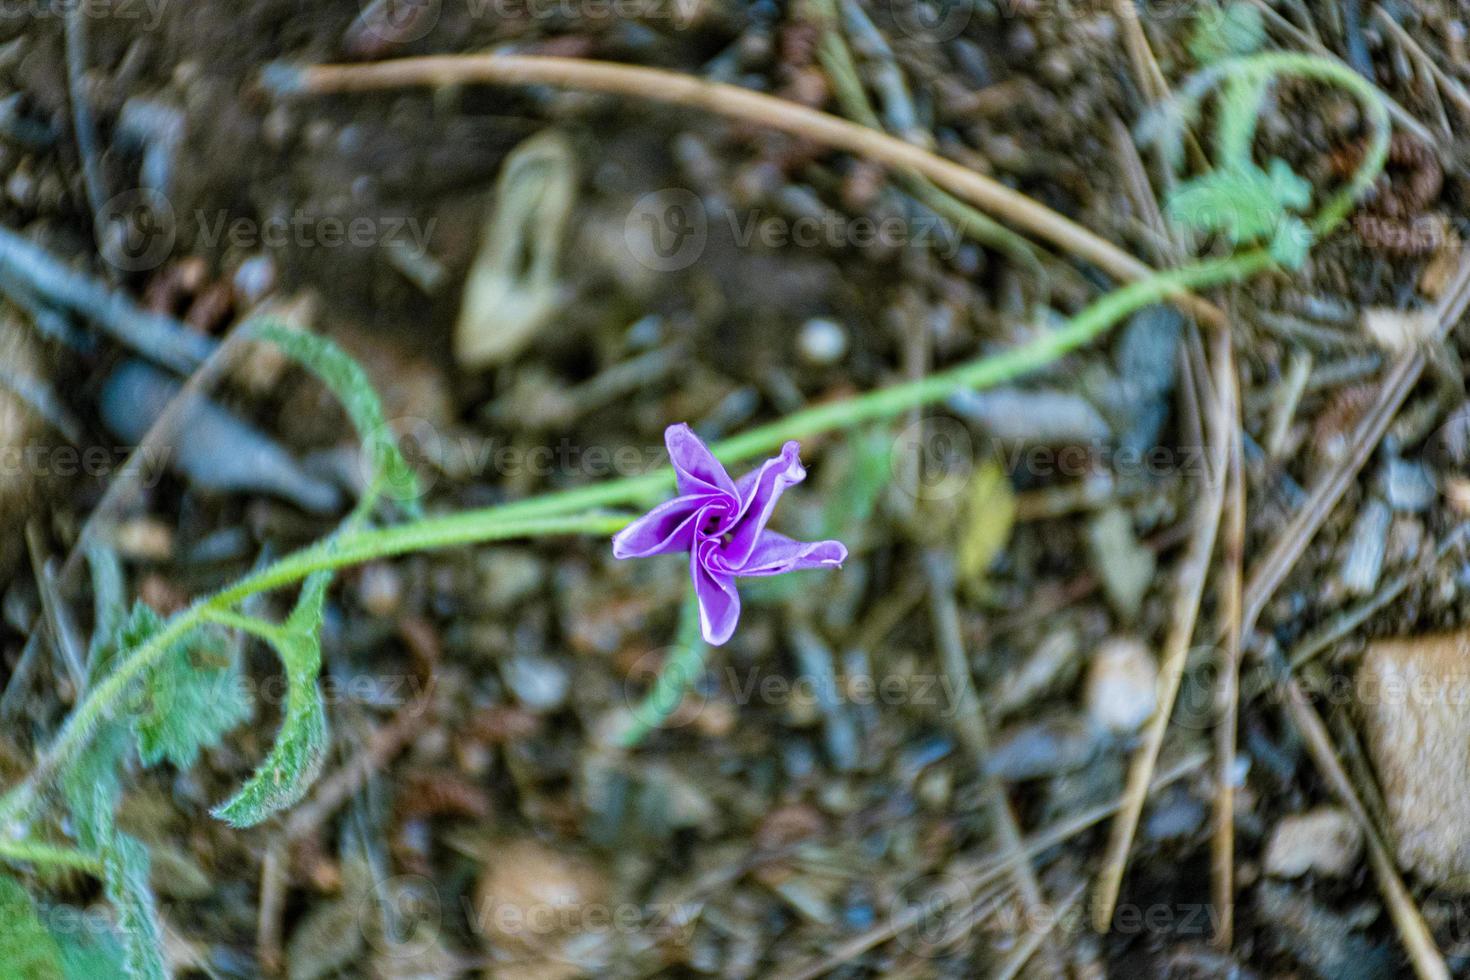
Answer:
(92, 783)
(139, 626)
(186, 701)
(1287, 189)
(1243, 202)
(1237, 30)
(28, 951)
(349, 383)
(125, 880)
(193, 695)
(88, 952)
(296, 758)
(1292, 243)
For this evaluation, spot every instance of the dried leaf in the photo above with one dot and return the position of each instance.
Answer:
(990, 513)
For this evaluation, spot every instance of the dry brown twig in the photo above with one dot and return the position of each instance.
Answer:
(1423, 954)
(1034, 846)
(974, 731)
(1231, 586)
(1401, 116)
(1224, 397)
(1451, 85)
(1269, 572)
(1145, 65)
(732, 102)
(1182, 617)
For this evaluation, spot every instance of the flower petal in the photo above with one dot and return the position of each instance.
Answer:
(668, 527)
(776, 554)
(759, 490)
(695, 468)
(719, 603)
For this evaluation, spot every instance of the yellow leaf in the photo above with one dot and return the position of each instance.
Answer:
(985, 527)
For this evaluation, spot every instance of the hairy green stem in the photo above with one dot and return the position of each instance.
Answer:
(683, 665)
(547, 515)
(350, 548)
(52, 855)
(565, 512)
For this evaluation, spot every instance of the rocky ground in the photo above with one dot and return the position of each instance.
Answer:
(909, 768)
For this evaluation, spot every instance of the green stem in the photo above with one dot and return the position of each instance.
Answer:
(1260, 68)
(546, 515)
(258, 628)
(335, 552)
(984, 372)
(678, 673)
(558, 513)
(37, 852)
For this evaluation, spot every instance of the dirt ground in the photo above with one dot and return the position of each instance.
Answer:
(834, 797)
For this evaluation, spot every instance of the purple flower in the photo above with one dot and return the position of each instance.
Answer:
(722, 524)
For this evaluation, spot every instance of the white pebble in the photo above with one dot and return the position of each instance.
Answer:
(1326, 840)
(254, 279)
(1122, 686)
(821, 342)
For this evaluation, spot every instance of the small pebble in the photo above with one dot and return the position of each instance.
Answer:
(1125, 566)
(254, 279)
(1457, 493)
(1146, 357)
(507, 576)
(1146, 353)
(1409, 486)
(533, 899)
(1122, 686)
(1178, 815)
(1326, 840)
(1038, 417)
(1412, 695)
(541, 684)
(1037, 749)
(1362, 564)
(821, 342)
(144, 539)
(20, 188)
(1399, 330)
(1021, 40)
(380, 589)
